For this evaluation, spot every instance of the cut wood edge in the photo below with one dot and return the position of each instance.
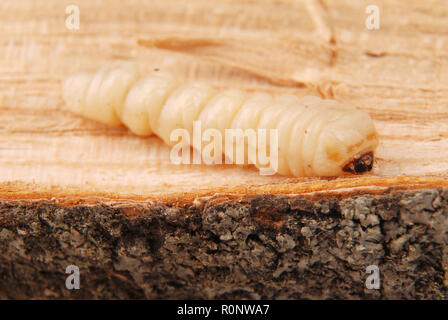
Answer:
(314, 190)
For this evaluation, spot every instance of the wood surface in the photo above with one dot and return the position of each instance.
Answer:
(399, 74)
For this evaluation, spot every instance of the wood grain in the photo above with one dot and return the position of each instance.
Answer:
(399, 74)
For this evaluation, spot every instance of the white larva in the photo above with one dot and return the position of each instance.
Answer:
(316, 137)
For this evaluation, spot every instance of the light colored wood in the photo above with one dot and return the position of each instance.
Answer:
(399, 74)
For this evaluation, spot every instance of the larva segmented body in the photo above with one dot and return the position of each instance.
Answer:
(315, 137)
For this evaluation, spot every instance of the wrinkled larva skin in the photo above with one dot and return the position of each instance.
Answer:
(316, 137)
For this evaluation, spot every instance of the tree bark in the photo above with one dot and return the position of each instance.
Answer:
(259, 247)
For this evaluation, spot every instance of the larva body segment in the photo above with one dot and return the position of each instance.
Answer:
(182, 108)
(221, 110)
(217, 116)
(279, 111)
(285, 125)
(247, 118)
(144, 102)
(106, 94)
(74, 90)
(249, 114)
(315, 137)
(298, 134)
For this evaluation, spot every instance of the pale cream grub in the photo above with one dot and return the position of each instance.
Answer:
(316, 137)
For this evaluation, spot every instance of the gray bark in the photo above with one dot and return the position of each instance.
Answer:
(262, 247)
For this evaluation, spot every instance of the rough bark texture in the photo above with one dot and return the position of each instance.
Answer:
(268, 247)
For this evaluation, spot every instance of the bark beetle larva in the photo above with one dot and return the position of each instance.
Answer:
(316, 137)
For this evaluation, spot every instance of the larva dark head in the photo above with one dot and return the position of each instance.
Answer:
(360, 164)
